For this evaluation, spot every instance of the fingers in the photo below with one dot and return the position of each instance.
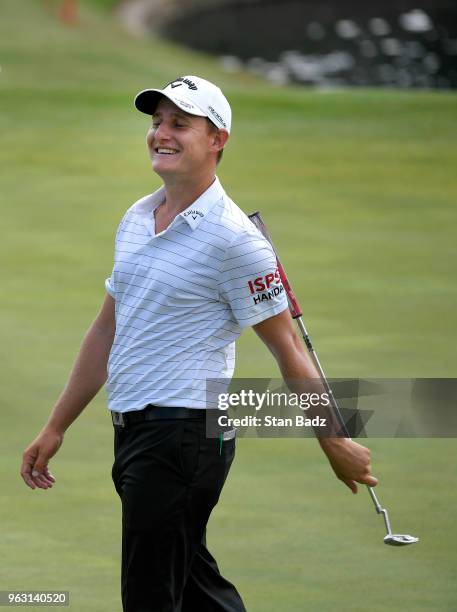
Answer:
(364, 475)
(28, 480)
(41, 463)
(50, 476)
(34, 470)
(28, 462)
(371, 481)
(367, 478)
(351, 484)
(357, 469)
(42, 480)
(40, 473)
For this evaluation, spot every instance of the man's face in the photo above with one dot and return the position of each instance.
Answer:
(179, 144)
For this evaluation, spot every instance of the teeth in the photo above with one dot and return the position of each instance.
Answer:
(166, 151)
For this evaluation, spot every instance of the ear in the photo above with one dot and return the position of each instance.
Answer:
(220, 138)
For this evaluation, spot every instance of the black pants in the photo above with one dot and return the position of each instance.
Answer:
(169, 477)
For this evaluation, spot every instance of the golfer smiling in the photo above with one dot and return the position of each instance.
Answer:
(180, 293)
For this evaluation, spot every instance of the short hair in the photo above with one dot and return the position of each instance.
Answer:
(212, 129)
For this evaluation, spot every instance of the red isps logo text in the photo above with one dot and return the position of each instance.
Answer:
(263, 283)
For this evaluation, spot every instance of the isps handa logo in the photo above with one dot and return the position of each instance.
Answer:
(265, 287)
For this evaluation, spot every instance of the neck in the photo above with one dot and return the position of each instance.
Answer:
(179, 194)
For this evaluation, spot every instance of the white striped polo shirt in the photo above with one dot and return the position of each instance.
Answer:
(182, 298)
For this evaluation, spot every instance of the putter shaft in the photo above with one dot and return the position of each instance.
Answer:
(317, 364)
(296, 313)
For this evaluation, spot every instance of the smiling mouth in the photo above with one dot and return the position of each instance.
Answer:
(165, 151)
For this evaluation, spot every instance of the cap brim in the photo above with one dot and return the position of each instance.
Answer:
(146, 102)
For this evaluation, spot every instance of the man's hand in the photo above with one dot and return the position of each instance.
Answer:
(350, 461)
(34, 469)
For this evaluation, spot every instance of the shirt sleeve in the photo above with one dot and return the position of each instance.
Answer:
(109, 286)
(109, 282)
(250, 282)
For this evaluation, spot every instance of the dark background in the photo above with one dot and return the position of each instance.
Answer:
(268, 29)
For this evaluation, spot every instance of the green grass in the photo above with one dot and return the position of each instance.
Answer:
(358, 188)
(104, 5)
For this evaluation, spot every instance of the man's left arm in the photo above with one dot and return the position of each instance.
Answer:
(350, 461)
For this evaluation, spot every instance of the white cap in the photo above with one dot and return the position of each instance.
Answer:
(193, 95)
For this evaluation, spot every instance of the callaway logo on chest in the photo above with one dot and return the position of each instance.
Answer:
(193, 213)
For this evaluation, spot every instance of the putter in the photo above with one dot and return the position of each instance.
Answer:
(391, 539)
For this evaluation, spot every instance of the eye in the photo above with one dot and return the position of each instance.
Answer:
(155, 124)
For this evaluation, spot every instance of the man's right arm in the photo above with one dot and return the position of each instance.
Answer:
(88, 375)
(350, 461)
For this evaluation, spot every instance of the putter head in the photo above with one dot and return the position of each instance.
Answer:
(396, 539)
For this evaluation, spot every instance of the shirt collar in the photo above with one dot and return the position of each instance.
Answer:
(149, 203)
(193, 214)
(197, 211)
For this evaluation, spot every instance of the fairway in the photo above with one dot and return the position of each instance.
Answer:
(358, 188)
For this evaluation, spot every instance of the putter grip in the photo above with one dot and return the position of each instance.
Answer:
(294, 306)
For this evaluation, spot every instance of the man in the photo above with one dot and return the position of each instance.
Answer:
(177, 299)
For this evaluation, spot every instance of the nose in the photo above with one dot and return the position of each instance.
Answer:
(162, 132)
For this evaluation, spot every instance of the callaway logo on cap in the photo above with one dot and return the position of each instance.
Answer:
(193, 95)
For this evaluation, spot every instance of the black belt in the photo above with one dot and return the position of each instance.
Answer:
(151, 413)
